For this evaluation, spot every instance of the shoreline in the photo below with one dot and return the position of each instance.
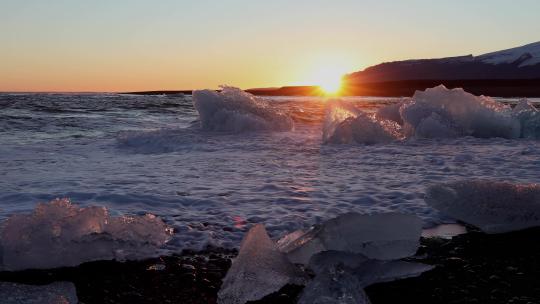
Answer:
(508, 88)
(470, 268)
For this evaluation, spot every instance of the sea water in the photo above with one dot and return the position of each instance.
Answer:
(152, 154)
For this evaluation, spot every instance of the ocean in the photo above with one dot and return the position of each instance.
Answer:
(148, 154)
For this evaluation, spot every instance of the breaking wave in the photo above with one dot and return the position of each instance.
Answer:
(60, 234)
(434, 113)
(233, 110)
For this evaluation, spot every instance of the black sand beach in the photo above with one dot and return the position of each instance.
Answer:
(470, 268)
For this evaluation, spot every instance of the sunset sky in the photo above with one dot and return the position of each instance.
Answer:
(105, 45)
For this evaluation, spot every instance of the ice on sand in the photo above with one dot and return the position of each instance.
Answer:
(367, 271)
(340, 276)
(334, 287)
(60, 234)
(55, 293)
(378, 236)
(494, 207)
(260, 269)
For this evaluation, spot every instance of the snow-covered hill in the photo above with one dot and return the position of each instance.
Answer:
(516, 63)
(526, 55)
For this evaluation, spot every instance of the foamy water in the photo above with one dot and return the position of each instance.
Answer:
(148, 154)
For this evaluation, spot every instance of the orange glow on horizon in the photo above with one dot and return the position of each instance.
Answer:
(327, 72)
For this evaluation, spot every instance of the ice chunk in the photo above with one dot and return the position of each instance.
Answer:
(60, 234)
(341, 276)
(434, 113)
(55, 293)
(367, 271)
(259, 269)
(233, 110)
(286, 240)
(378, 236)
(444, 231)
(436, 126)
(334, 287)
(344, 123)
(494, 207)
(330, 259)
(524, 105)
(374, 271)
(529, 118)
(391, 112)
(457, 113)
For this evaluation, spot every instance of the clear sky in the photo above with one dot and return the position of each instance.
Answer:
(116, 45)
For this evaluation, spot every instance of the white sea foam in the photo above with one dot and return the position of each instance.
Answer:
(233, 110)
(434, 113)
(212, 186)
(60, 234)
(494, 207)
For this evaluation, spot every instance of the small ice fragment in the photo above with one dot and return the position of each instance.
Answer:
(260, 269)
(55, 293)
(156, 267)
(334, 287)
(377, 236)
(494, 207)
(289, 238)
(445, 231)
(374, 271)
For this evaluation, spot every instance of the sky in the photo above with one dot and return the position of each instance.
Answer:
(117, 45)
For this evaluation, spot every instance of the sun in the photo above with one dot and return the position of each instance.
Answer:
(331, 86)
(329, 79)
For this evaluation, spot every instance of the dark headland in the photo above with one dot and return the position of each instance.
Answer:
(403, 88)
(512, 72)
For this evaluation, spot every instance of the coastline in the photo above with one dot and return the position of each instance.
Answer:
(404, 88)
(470, 268)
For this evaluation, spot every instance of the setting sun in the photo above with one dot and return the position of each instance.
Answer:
(329, 79)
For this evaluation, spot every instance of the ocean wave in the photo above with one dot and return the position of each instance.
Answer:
(60, 234)
(233, 110)
(161, 141)
(434, 113)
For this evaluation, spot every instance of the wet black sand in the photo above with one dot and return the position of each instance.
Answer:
(471, 268)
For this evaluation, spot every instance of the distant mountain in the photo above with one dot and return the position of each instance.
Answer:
(517, 63)
(509, 73)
